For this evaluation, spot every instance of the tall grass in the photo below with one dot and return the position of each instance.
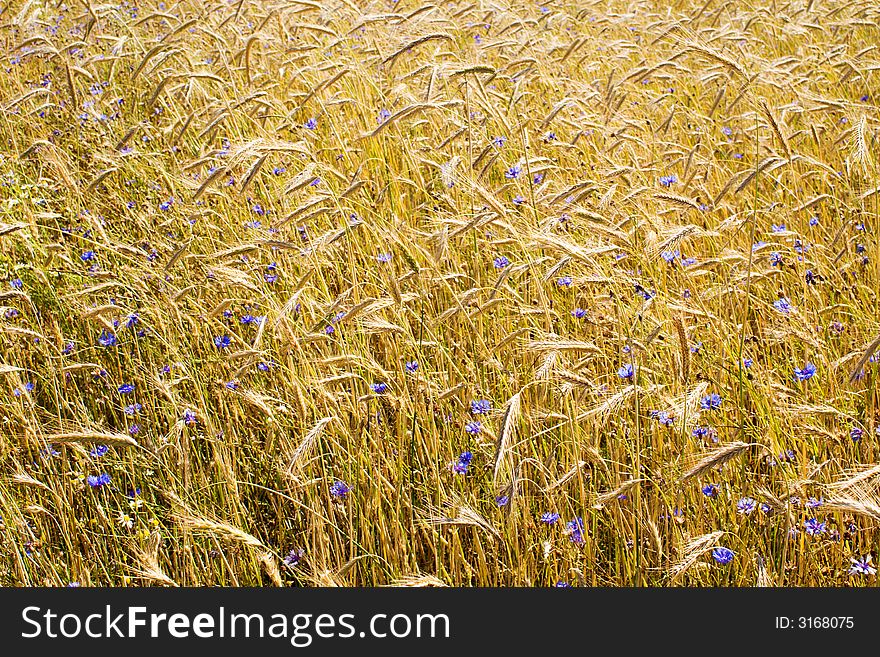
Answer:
(263, 262)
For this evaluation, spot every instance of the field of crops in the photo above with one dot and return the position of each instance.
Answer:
(341, 293)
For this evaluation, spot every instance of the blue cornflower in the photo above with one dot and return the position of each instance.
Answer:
(16, 283)
(166, 205)
(575, 530)
(126, 388)
(501, 262)
(807, 372)
(564, 281)
(663, 418)
(775, 259)
(222, 341)
(384, 257)
(667, 181)
(788, 456)
(813, 527)
(28, 387)
(294, 557)
(131, 320)
(498, 142)
(339, 489)
(810, 277)
(379, 387)
(513, 172)
(783, 305)
(856, 434)
(412, 366)
(723, 555)
(814, 221)
(711, 402)
(271, 276)
(87, 256)
(778, 229)
(98, 481)
(549, 517)
(132, 409)
(189, 417)
(746, 505)
(710, 490)
(384, 115)
(502, 500)
(747, 362)
(106, 339)
(670, 256)
(814, 503)
(726, 131)
(474, 427)
(311, 124)
(626, 372)
(519, 199)
(480, 406)
(579, 313)
(645, 294)
(562, 585)
(278, 170)
(99, 451)
(461, 465)
(862, 566)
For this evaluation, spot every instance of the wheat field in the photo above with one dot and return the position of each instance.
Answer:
(341, 293)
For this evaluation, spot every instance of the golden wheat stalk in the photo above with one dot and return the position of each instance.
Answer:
(692, 552)
(718, 458)
(297, 457)
(418, 581)
(505, 436)
(865, 357)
